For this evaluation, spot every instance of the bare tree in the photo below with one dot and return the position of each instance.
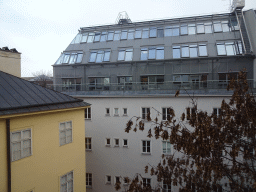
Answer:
(217, 151)
(42, 77)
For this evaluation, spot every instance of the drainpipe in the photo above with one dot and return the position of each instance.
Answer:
(8, 144)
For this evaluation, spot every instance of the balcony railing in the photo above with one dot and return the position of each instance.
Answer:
(139, 86)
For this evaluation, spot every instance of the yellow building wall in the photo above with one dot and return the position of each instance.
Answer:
(3, 156)
(10, 63)
(49, 161)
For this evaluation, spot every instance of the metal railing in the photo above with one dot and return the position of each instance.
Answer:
(139, 86)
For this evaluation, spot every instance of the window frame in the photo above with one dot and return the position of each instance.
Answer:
(106, 142)
(99, 56)
(168, 151)
(116, 111)
(67, 181)
(116, 142)
(146, 152)
(21, 143)
(88, 180)
(127, 145)
(107, 110)
(125, 54)
(144, 115)
(167, 113)
(65, 132)
(146, 181)
(119, 178)
(88, 113)
(88, 145)
(107, 182)
(125, 114)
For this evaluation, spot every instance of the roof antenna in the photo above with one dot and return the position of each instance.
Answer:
(123, 18)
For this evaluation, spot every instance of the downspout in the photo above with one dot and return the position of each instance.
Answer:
(8, 144)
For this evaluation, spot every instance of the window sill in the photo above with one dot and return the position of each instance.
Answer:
(116, 115)
(116, 146)
(108, 145)
(89, 187)
(125, 115)
(146, 153)
(88, 149)
(107, 115)
(88, 119)
(108, 183)
(125, 146)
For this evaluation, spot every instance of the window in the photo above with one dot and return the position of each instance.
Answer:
(100, 56)
(225, 26)
(84, 38)
(137, 33)
(152, 53)
(200, 27)
(131, 34)
(145, 111)
(117, 179)
(217, 111)
(87, 113)
(125, 142)
(145, 33)
(71, 84)
(146, 146)
(152, 32)
(108, 179)
(166, 147)
(107, 112)
(165, 114)
(176, 52)
(65, 130)
(125, 112)
(192, 29)
(151, 81)
(124, 34)
(166, 187)
(110, 35)
(103, 36)
(190, 112)
(97, 37)
(175, 30)
(146, 182)
(88, 143)
(124, 83)
(90, 37)
(225, 77)
(66, 182)
(116, 142)
(66, 58)
(172, 31)
(60, 60)
(117, 35)
(116, 112)
(21, 144)
(193, 51)
(70, 58)
(108, 142)
(88, 180)
(98, 83)
(208, 27)
(185, 51)
(229, 48)
(202, 50)
(184, 29)
(217, 26)
(125, 54)
(160, 32)
(77, 39)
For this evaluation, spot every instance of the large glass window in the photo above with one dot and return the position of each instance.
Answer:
(145, 33)
(193, 51)
(124, 34)
(176, 52)
(110, 35)
(152, 53)
(79, 57)
(175, 30)
(185, 51)
(202, 50)
(225, 26)
(78, 38)
(90, 37)
(93, 56)
(72, 58)
(192, 29)
(217, 26)
(84, 38)
(21, 145)
(200, 28)
(100, 56)
(60, 60)
(152, 32)
(227, 48)
(166, 147)
(208, 27)
(239, 47)
(184, 29)
(168, 31)
(144, 54)
(103, 36)
(138, 33)
(125, 54)
(117, 35)
(160, 53)
(230, 48)
(97, 37)
(234, 24)
(160, 32)
(221, 49)
(145, 144)
(66, 58)
(99, 83)
(131, 34)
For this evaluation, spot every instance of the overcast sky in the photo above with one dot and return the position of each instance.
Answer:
(41, 30)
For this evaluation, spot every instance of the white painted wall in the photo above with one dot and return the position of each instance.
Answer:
(120, 161)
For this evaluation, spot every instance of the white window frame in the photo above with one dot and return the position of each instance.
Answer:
(88, 113)
(168, 152)
(119, 179)
(108, 145)
(65, 133)
(166, 113)
(126, 146)
(21, 141)
(116, 111)
(116, 145)
(88, 144)
(125, 54)
(67, 182)
(88, 177)
(145, 181)
(167, 186)
(142, 114)
(150, 147)
(107, 182)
